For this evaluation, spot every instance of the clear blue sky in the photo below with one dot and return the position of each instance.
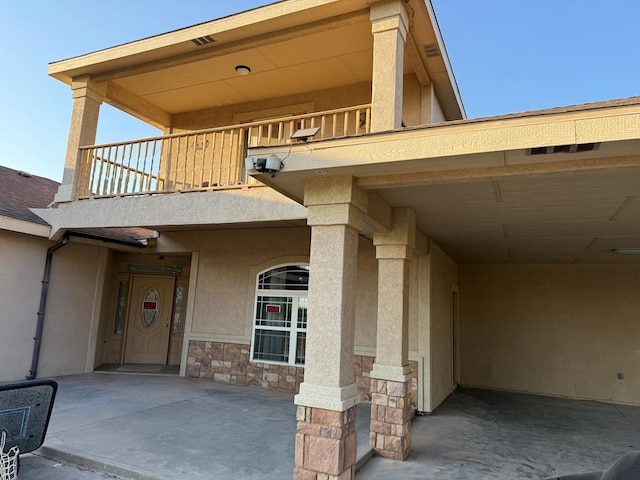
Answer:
(507, 55)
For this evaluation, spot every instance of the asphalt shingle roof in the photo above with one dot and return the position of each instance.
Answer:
(20, 191)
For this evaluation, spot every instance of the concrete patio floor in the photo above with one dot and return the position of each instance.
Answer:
(152, 427)
(482, 435)
(168, 427)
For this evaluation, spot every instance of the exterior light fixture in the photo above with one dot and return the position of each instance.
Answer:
(242, 70)
(626, 251)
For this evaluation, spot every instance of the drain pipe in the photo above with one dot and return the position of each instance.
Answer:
(43, 306)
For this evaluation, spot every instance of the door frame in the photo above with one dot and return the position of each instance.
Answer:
(455, 335)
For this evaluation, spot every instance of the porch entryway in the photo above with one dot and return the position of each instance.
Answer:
(144, 326)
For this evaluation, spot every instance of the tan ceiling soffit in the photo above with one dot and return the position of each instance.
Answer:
(153, 47)
(234, 47)
(494, 173)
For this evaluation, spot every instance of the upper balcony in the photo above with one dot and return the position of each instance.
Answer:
(200, 160)
(249, 80)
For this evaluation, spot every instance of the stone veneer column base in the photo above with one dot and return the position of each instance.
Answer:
(391, 414)
(325, 444)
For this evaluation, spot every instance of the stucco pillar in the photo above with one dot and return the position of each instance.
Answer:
(391, 410)
(326, 438)
(87, 97)
(389, 22)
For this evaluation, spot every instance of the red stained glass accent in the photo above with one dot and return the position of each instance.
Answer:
(150, 306)
(273, 308)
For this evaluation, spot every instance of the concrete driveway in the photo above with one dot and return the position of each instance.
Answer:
(168, 427)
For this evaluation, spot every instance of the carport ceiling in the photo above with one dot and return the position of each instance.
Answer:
(577, 217)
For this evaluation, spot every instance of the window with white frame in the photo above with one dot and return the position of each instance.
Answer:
(280, 319)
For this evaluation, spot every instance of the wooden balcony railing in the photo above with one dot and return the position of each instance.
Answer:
(200, 160)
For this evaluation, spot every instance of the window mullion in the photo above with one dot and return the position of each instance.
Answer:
(293, 336)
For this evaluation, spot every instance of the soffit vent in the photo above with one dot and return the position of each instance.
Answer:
(206, 40)
(576, 148)
(431, 50)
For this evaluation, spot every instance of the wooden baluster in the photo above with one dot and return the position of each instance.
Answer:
(231, 156)
(212, 159)
(93, 166)
(269, 133)
(220, 158)
(149, 177)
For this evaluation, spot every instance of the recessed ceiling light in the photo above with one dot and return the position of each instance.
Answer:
(242, 70)
(321, 172)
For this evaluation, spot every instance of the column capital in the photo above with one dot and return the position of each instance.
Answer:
(389, 15)
(402, 233)
(335, 201)
(83, 86)
(394, 252)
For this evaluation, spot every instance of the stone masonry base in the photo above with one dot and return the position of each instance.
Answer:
(391, 414)
(229, 363)
(325, 444)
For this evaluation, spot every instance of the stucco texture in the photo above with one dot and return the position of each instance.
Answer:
(229, 261)
(443, 276)
(75, 295)
(21, 266)
(69, 308)
(565, 330)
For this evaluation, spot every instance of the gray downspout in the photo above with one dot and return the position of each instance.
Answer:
(43, 306)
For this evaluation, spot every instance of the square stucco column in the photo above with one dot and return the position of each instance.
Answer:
(389, 22)
(391, 410)
(326, 438)
(87, 98)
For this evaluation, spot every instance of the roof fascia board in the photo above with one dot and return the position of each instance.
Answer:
(23, 226)
(453, 84)
(463, 139)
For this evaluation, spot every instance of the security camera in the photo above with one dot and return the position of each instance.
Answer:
(270, 164)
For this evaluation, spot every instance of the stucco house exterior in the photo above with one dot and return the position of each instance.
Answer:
(66, 300)
(396, 250)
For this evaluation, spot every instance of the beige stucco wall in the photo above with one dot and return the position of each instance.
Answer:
(228, 262)
(69, 310)
(21, 267)
(346, 96)
(73, 310)
(437, 115)
(411, 101)
(442, 274)
(554, 329)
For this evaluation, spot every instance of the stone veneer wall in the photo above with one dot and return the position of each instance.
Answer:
(229, 363)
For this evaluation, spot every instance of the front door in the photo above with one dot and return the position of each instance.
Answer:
(149, 320)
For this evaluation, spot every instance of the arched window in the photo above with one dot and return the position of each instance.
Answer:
(280, 318)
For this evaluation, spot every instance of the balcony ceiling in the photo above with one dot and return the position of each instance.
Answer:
(317, 61)
(291, 47)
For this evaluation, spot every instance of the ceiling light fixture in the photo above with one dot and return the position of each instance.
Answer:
(242, 70)
(626, 251)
